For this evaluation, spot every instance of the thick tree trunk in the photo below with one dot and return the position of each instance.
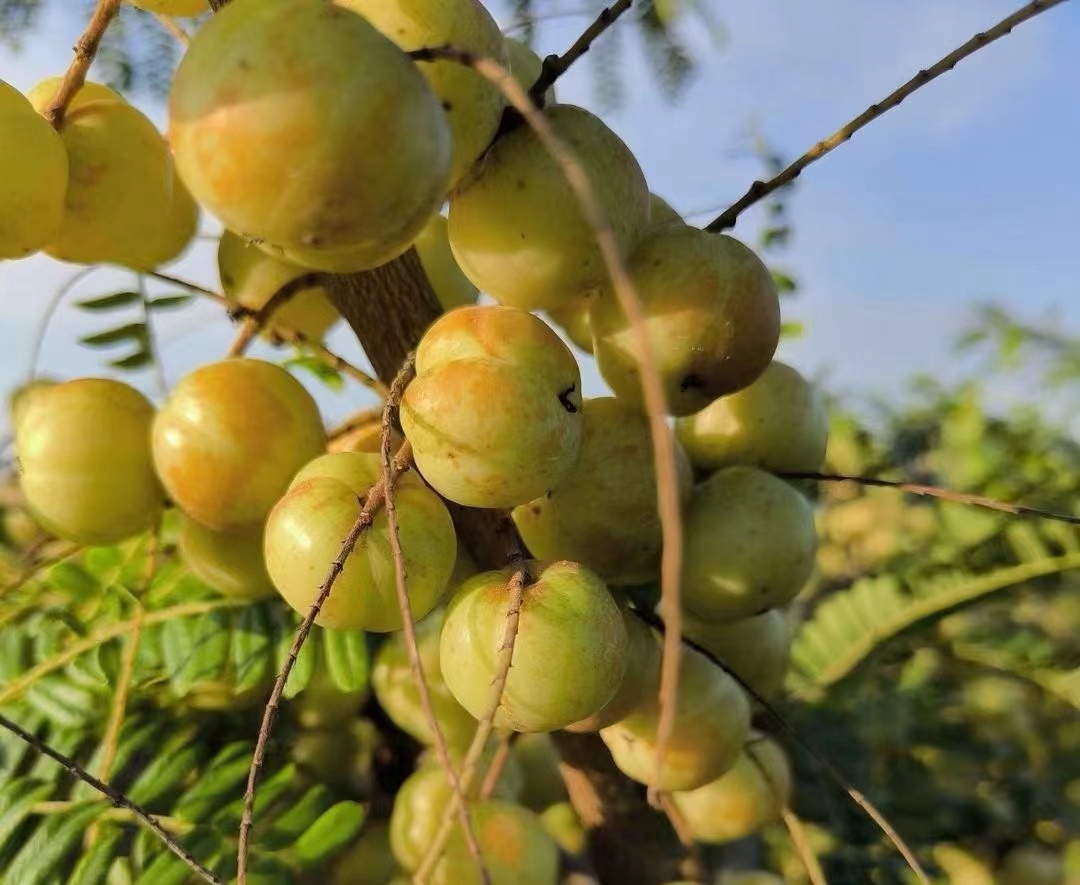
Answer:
(630, 844)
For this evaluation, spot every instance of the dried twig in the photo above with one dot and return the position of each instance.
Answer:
(557, 65)
(695, 858)
(830, 770)
(86, 48)
(363, 522)
(193, 287)
(667, 483)
(801, 843)
(760, 189)
(498, 764)
(504, 658)
(393, 401)
(115, 796)
(253, 322)
(915, 488)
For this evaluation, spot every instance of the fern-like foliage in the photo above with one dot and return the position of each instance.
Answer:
(201, 672)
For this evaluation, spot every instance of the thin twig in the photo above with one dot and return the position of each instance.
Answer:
(363, 418)
(253, 322)
(515, 589)
(190, 286)
(557, 65)
(338, 363)
(830, 770)
(115, 796)
(363, 522)
(915, 488)
(760, 189)
(498, 764)
(416, 664)
(667, 483)
(50, 311)
(86, 48)
(695, 857)
(801, 843)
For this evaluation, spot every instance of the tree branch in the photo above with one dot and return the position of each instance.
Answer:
(557, 65)
(115, 796)
(914, 488)
(760, 189)
(254, 321)
(86, 48)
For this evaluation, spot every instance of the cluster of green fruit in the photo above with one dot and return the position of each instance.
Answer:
(316, 162)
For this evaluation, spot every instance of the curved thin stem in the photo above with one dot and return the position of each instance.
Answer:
(85, 50)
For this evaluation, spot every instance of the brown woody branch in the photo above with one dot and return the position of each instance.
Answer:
(115, 796)
(557, 65)
(760, 189)
(253, 322)
(915, 488)
(86, 48)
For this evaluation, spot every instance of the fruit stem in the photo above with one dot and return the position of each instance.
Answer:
(86, 48)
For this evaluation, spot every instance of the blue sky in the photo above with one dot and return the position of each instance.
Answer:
(967, 192)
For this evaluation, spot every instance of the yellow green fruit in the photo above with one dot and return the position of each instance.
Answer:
(516, 848)
(526, 65)
(750, 542)
(1032, 864)
(757, 648)
(603, 513)
(573, 319)
(711, 313)
(661, 212)
(42, 94)
(543, 784)
(777, 423)
(122, 205)
(570, 653)
(250, 277)
(230, 438)
(741, 801)
(279, 132)
(516, 227)
(84, 451)
(473, 105)
(712, 722)
(230, 562)
(564, 826)
(494, 413)
(368, 860)
(395, 687)
(34, 180)
(451, 286)
(306, 528)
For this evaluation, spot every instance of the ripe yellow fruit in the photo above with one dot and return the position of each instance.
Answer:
(473, 105)
(494, 413)
(757, 649)
(603, 513)
(172, 7)
(750, 542)
(230, 562)
(742, 801)
(41, 95)
(516, 227)
(573, 319)
(120, 206)
(84, 448)
(250, 277)
(451, 286)
(712, 317)
(285, 137)
(395, 687)
(516, 848)
(778, 423)
(305, 530)
(35, 176)
(570, 654)
(229, 439)
(712, 722)
(640, 682)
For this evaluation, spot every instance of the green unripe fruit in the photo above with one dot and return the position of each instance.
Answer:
(516, 227)
(305, 530)
(84, 451)
(778, 423)
(569, 656)
(757, 649)
(750, 545)
(367, 861)
(711, 313)
(451, 286)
